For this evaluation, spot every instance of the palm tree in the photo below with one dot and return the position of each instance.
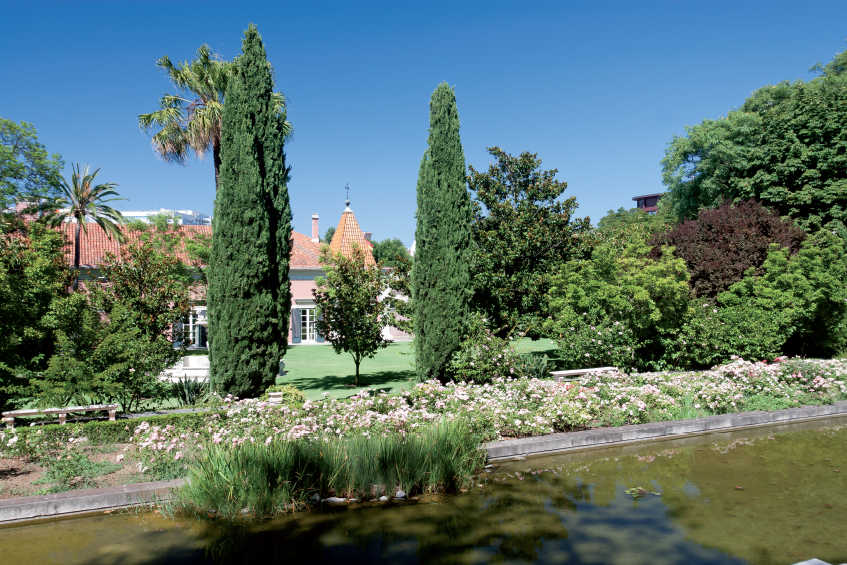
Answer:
(81, 200)
(187, 125)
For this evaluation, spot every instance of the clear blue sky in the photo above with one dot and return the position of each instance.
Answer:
(597, 89)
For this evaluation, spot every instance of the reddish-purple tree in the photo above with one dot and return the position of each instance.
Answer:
(722, 243)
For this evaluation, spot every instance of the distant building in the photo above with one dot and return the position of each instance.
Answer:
(181, 217)
(649, 202)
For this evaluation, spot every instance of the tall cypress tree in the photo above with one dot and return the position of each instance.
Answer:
(249, 292)
(440, 277)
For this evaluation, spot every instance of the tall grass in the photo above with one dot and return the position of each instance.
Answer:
(280, 476)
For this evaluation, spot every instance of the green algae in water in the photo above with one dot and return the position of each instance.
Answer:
(573, 508)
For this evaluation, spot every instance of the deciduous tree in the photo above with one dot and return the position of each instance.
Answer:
(521, 232)
(352, 316)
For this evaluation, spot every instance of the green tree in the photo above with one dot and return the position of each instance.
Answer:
(249, 290)
(80, 201)
(623, 218)
(330, 231)
(352, 315)
(521, 233)
(390, 252)
(172, 239)
(441, 285)
(190, 121)
(147, 285)
(27, 172)
(617, 307)
(784, 146)
(33, 275)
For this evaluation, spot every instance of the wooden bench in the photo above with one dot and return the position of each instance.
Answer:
(9, 417)
(574, 374)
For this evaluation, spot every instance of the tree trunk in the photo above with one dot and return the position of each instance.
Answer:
(357, 370)
(216, 158)
(76, 254)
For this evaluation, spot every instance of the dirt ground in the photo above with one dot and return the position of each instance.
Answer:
(17, 475)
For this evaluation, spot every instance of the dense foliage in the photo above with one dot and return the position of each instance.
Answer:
(723, 243)
(441, 285)
(785, 146)
(483, 356)
(390, 252)
(34, 279)
(352, 316)
(623, 218)
(521, 232)
(27, 172)
(249, 290)
(615, 308)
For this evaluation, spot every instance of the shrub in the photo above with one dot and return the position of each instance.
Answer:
(291, 395)
(723, 243)
(482, 356)
(26, 441)
(190, 392)
(614, 308)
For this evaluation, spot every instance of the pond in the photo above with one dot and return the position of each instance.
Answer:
(772, 495)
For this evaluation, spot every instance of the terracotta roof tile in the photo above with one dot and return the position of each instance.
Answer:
(95, 243)
(348, 234)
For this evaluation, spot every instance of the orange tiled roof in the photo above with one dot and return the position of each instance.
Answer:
(348, 234)
(95, 244)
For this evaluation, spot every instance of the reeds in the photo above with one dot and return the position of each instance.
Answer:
(282, 475)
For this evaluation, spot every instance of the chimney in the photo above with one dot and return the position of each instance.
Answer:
(367, 235)
(315, 232)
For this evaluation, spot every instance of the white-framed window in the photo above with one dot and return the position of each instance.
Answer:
(192, 333)
(307, 324)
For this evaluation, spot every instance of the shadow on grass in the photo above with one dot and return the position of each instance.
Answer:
(376, 380)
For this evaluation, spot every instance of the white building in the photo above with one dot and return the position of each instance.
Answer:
(181, 217)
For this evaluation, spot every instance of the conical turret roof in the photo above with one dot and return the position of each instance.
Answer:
(348, 234)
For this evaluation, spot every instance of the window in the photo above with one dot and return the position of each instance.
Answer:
(307, 324)
(192, 333)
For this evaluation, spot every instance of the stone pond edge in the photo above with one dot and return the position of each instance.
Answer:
(29, 508)
(608, 437)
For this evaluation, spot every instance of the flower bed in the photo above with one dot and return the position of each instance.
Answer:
(503, 408)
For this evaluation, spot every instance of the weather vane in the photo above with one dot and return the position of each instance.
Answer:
(347, 188)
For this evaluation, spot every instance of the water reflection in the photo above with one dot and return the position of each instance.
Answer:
(791, 506)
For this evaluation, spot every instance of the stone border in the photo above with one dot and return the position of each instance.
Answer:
(608, 437)
(29, 508)
(62, 504)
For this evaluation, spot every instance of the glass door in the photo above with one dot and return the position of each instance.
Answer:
(307, 325)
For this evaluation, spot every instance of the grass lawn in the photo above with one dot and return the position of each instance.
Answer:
(316, 369)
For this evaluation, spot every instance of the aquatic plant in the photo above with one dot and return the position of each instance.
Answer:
(265, 478)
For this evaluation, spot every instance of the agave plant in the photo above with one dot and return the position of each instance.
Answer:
(190, 392)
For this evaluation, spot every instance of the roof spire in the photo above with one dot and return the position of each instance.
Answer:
(347, 202)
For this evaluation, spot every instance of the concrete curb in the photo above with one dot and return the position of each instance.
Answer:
(81, 501)
(505, 449)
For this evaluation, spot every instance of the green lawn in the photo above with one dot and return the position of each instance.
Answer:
(316, 369)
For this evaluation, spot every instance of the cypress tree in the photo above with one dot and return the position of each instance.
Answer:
(441, 286)
(249, 292)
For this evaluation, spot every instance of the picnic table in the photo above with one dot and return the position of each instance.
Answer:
(9, 417)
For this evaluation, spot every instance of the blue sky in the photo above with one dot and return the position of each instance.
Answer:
(597, 89)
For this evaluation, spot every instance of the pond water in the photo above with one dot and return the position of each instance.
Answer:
(766, 496)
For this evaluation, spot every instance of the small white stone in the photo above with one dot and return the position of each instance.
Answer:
(352, 500)
(399, 494)
(383, 499)
(334, 500)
